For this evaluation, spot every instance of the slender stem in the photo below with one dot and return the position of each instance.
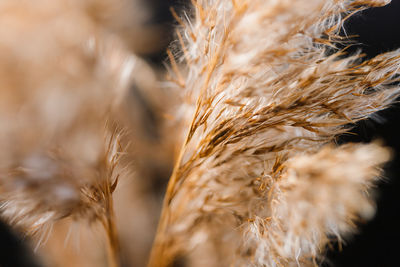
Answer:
(158, 255)
(113, 246)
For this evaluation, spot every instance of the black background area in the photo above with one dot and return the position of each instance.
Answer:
(377, 242)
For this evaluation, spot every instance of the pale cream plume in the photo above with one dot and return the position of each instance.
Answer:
(262, 84)
(62, 75)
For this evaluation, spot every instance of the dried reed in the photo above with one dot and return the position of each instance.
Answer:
(265, 89)
(264, 93)
(59, 154)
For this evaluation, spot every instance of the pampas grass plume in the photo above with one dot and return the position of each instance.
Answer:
(265, 92)
(256, 95)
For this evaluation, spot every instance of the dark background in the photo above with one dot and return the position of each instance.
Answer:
(378, 242)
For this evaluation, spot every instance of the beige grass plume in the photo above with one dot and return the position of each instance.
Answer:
(62, 75)
(257, 181)
(253, 184)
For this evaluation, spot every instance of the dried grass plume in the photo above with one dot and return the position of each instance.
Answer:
(256, 95)
(264, 91)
